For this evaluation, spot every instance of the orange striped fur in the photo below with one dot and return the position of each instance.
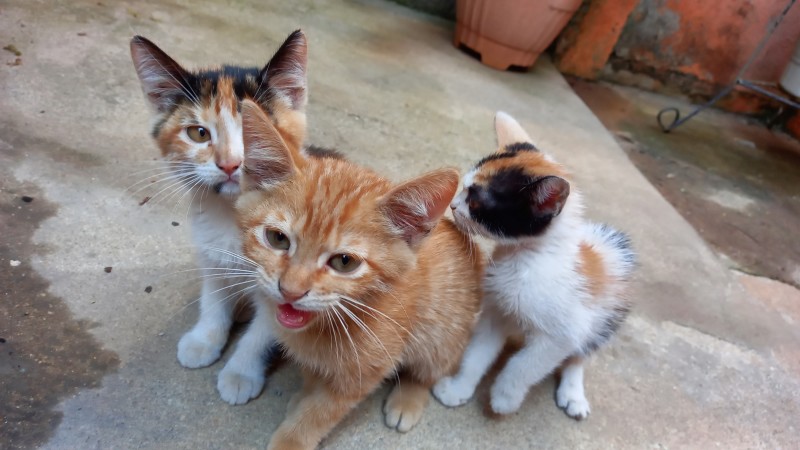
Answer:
(417, 287)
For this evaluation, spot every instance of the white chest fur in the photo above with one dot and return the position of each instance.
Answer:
(539, 289)
(215, 233)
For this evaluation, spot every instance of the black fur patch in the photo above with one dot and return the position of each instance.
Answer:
(621, 242)
(242, 77)
(494, 157)
(322, 152)
(605, 329)
(160, 124)
(521, 146)
(504, 206)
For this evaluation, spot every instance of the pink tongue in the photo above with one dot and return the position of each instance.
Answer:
(290, 317)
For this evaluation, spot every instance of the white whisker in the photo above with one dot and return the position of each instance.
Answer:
(241, 291)
(162, 177)
(359, 305)
(349, 338)
(239, 257)
(361, 324)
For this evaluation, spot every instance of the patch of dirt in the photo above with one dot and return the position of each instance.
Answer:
(46, 355)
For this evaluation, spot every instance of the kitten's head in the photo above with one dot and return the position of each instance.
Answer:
(326, 233)
(514, 193)
(197, 119)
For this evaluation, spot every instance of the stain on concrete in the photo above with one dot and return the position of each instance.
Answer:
(46, 354)
(736, 182)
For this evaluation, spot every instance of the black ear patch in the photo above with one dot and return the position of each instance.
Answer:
(164, 82)
(515, 204)
(285, 73)
(520, 147)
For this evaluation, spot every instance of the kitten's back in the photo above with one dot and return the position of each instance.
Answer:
(614, 247)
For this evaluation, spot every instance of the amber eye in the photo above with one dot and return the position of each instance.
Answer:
(277, 240)
(198, 134)
(344, 263)
(473, 204)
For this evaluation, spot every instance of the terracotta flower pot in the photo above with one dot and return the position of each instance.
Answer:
(510, 32)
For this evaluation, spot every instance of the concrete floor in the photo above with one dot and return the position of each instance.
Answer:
(733, 179)
(87, 358)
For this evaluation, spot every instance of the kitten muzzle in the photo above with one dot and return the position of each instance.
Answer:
(291, 317)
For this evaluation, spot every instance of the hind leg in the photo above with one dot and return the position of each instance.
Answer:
(570, 395)
(540, 356)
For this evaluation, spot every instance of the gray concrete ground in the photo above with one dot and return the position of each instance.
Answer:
(89, 357)
(736, 182)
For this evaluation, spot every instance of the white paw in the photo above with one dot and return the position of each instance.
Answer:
(505, 400)
(573, 402)
(237, 388)
(195, 351)
(451, 393)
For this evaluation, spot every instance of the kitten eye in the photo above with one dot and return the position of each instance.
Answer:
(473, 204)
(344, 263)
(277, 240)
(198, 134)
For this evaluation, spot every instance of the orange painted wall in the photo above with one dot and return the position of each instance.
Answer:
(709, 40)
(584, 46)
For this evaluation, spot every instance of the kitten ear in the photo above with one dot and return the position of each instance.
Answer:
(163, 80)
(285, 73)
(508, 130)
(548, 195)
(416, 206)
(267, 159)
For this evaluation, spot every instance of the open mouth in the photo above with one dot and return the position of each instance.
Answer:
(291, 317)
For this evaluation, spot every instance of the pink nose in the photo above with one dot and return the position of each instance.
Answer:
(290, 296)
(228, 168)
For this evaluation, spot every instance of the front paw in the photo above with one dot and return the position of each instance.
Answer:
(505, 400)
(451, 393)
(238, 387)
(403, 409)
(573, 402)
(196, 351)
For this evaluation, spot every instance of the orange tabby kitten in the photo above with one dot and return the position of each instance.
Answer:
(360, 279)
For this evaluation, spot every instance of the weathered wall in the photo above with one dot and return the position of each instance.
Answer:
(694, 47)
(707, 40)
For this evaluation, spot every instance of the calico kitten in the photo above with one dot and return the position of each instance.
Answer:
(197, 125)
(556, 279)
(360, 280)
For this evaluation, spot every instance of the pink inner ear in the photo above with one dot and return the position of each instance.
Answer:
(410, 224)
(551, 201)
(551, 194)
(267, 159)
(416, 206)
